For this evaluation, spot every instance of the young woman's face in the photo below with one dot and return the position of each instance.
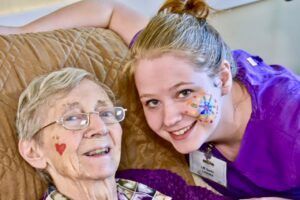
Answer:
(172, 93)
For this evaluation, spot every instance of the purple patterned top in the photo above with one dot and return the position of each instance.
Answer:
(268, 163)
(169, 184)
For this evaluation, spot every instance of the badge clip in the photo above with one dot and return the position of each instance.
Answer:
(208, 155)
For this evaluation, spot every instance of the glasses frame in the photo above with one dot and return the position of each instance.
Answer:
(60, 121)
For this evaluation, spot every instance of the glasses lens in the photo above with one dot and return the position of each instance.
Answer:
(120, 113)
(75, 121)
(112, 115)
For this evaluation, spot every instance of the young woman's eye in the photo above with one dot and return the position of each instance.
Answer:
(152, 103)
(184, 93)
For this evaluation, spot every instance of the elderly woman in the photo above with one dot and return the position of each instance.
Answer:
(69, 130)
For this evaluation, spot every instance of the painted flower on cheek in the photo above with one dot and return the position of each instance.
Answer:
(203, 107)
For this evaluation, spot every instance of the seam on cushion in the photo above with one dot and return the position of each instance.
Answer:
(74, 43)
(71, 47)
(86, 36)
(38, 40)
(116, 64)
(83, 44)
(70, 44)
(5, 53)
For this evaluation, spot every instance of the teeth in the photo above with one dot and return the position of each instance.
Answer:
(182, 131)
(98, 152)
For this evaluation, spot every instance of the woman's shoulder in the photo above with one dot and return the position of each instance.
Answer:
(253, 69)
(255, 64)
(272, 87)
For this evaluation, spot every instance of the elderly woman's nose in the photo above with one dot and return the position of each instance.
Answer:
(97, 127)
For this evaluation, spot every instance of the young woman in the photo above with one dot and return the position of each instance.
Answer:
(236, 117)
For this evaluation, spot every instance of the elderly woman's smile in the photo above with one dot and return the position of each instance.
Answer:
(98, 152)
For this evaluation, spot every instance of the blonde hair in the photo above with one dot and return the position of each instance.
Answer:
(42, 91)
(180, 27)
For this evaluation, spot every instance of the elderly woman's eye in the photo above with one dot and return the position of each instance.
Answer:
(75, 120)
(184, 93)
(107, 114)
(71, 118)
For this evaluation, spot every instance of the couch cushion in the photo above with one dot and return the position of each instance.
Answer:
(100, 51)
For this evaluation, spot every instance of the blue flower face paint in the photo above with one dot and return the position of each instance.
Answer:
(204, 107)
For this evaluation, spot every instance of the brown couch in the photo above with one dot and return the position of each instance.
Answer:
(23, 57)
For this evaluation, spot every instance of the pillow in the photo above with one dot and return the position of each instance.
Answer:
(100, 51)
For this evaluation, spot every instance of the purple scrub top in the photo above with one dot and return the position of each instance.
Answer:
(268, 163)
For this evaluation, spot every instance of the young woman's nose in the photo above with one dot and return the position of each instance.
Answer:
(96, 128)
(172, 114)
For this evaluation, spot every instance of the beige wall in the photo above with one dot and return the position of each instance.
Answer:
(14, 6)
(269, 28)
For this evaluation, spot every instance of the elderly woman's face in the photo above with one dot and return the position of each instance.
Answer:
(90, 153)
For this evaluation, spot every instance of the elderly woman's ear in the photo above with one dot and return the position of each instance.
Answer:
(31, 151)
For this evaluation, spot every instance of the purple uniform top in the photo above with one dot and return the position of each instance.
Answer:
(268, 163)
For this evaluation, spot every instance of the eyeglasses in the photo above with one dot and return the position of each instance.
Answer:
(78, 121)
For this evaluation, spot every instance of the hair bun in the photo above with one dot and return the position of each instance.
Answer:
(197, 8)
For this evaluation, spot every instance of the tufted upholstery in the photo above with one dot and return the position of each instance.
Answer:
(23, 57)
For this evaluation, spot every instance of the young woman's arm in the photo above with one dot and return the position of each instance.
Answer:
(88, 13)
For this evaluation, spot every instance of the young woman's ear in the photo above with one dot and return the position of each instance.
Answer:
(225, 77)
(31, 152)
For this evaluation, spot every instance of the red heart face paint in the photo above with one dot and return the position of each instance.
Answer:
(204, 107)
(60, 148)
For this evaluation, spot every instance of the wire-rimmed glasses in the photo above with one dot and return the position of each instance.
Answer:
(78, 121)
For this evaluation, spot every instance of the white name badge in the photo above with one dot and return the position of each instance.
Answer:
(213, 168)
(251, 61)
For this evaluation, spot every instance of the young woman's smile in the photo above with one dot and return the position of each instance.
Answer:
(182, 133)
